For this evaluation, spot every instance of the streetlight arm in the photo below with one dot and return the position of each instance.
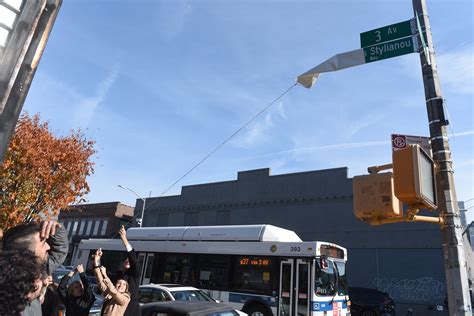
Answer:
(138, 196)
(135, 193)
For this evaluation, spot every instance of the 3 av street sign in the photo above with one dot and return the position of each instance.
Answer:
(387, 33)
(391, 49)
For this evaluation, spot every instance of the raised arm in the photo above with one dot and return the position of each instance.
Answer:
(132, 256)
(56, 237)
(97, 270)
(120, 298)
(89, 296)
(62, 288)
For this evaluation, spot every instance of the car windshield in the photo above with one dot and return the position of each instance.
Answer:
(191, 295)
(341, 278)
(324, 278)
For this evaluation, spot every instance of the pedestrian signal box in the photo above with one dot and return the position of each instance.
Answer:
(374, 197)
(414, 177)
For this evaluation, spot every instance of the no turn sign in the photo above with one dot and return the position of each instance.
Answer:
(399, 141)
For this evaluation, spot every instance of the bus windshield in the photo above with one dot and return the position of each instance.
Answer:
(324, 278)
(341, 278)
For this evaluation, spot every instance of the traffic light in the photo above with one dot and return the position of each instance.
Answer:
(414, 177)
(374, 197)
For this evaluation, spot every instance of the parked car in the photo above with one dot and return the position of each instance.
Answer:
(182, 308)
(370, 302)
(171, 292)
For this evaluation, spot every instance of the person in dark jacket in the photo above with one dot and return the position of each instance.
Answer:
(78, 296)
(131, 274)
(22, 277)
(52, 304)
(48, 241)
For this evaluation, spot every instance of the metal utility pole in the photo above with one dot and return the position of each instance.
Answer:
(27, 38)
(453, 250)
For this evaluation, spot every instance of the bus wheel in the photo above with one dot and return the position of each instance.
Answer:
(257, 310)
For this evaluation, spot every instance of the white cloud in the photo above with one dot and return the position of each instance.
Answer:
(258, 130)
(456, 70)
(171, 19)
(88, 105)
(465, 133)
(343, 146)
(357, 125)
(465, 163)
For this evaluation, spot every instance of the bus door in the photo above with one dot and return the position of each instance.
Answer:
(302, 289)
(141, 266)
(294, 296)
(148, 268)
(285, 297)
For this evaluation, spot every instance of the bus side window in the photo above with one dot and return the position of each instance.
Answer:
(172, 268)
(253, 274)
(213, 271)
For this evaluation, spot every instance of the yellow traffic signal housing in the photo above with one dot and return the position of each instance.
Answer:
(414, 177)
(374, 197)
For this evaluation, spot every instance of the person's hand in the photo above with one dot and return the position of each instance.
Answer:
(48, 228)
(97, 256)
(80, 268)
(98, 253)
(103, 270)
(48, 280)
(123, 234)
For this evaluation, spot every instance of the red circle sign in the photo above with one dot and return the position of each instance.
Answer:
(399, 142)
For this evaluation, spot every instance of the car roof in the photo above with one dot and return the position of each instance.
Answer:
(196, 308)
(170, 287)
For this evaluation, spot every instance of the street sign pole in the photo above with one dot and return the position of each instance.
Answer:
(453, 251)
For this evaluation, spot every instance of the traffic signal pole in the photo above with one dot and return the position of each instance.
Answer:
(453, 251)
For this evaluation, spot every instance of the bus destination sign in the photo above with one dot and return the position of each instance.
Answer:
(331, 251)
(246, 261)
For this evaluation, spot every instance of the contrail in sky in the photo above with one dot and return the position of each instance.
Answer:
(344, 146)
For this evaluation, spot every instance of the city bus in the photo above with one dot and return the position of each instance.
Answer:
(262, 270)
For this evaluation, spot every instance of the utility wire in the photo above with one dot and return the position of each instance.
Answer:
(228, 138)
(217, 148)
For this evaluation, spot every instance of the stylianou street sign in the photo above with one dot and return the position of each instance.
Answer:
(391, 49)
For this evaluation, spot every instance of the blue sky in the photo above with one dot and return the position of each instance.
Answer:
(159, 84)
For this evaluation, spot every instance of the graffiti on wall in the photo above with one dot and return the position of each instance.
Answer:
(420, 290)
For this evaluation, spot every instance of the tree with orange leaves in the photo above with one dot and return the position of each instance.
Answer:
(42, 173)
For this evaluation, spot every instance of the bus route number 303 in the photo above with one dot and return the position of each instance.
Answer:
(295, 249)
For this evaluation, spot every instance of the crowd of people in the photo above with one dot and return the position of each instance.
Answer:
(32, 251)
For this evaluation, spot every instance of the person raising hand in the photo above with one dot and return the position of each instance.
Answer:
(116, 297)
(78, 296)
(131, 274)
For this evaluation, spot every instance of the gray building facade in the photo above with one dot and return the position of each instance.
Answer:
(405, 259)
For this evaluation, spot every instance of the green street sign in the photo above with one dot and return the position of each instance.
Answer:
(386, 33)
(391, 49)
